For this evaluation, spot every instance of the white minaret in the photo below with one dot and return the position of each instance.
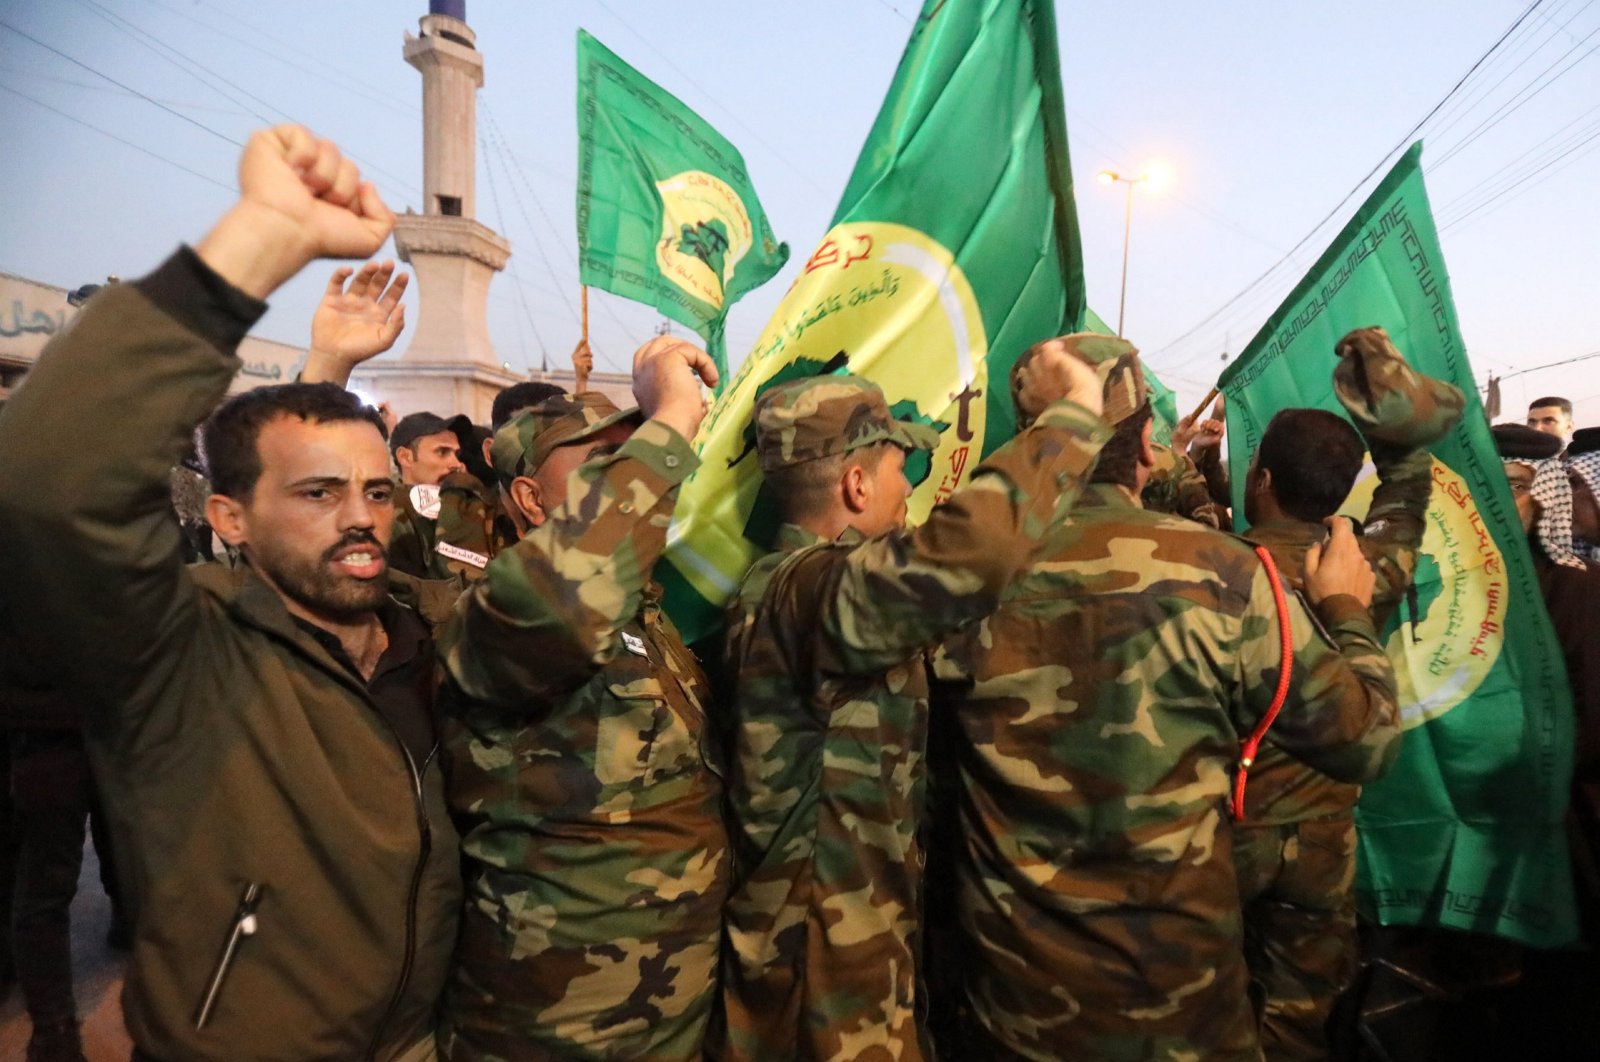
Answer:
(449, 365)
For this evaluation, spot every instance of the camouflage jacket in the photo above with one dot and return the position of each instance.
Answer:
(1106, 699)
(1281, 788)
(458, 541)
(583, 777)
(1176, 486)
(826, 788)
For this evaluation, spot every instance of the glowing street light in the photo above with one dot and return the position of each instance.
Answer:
(1156, 177)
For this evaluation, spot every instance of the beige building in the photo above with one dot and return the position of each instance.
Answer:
(31, 312)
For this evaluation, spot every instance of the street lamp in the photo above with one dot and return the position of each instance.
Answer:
(1113, 177)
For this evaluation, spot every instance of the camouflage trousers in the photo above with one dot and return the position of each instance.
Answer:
(1296, 885)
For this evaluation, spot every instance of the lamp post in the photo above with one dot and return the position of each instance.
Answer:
(1113, 177)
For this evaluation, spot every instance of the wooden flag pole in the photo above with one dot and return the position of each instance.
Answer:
(1201, 408)
(582, 360)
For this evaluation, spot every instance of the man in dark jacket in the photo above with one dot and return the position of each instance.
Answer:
(264, 734)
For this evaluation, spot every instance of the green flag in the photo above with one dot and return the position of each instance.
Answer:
(1466, 830)
(666, 212)
(954, 248)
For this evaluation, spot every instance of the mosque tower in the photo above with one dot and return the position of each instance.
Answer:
(449, 365)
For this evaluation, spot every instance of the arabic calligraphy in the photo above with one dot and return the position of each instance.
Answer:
(38, 322)
(263, 369)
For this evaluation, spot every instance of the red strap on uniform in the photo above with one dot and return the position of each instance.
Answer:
(1252, 744)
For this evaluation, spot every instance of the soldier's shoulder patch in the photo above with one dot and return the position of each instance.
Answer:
(425, 500)
(465, 556)
(634, 644)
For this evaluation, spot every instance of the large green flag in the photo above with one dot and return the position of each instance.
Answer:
(1466, 830)
(954, 248)
(666, 212)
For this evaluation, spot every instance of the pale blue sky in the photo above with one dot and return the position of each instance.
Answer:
(1266, 114)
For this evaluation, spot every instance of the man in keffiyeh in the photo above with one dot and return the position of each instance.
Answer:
(1583, 462)
(1556, 500)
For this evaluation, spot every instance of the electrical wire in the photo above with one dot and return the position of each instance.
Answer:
(1400, 144)
(754, 135)
(149, 99)
(128, 143)
(522, 296)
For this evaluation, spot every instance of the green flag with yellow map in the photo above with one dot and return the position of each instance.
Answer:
(666, 211)
(953, 249)
(1466, 830)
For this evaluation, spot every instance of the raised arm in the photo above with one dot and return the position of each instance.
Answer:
(1342, 713)
(88, 534)
(888, 596)
(355, 324)
(545, 616)
(1400, 414)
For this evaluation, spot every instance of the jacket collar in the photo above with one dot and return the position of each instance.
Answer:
(251, 601)
(793, 537)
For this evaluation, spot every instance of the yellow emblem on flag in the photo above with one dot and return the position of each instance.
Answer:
(1452, 625)
(705, 231)
(879, 300)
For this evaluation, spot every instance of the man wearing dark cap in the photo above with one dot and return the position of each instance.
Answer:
(826, 641)
(582, 771)
(427, 447)
(1295, 849)
(1105, 704)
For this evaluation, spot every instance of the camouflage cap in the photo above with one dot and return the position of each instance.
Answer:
(1387, 399)
(823, 416)
(524, 442)
(1114, 360)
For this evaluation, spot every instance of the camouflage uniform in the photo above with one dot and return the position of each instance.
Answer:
(1177, 487)
(457, 541)
(825, 642)
(583, 776)
(1295, 850)
(1104, 705)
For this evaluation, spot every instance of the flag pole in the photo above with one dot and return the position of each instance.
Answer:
(580, 370)
(1201, 408)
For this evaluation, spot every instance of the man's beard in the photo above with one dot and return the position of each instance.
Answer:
(317, 586)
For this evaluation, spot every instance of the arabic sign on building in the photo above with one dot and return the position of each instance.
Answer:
(31, 312)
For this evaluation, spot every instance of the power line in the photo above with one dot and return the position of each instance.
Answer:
(510, 160)
(119, 84)
(345, 84)
(522, 296)
(162, 49)
(1550, 365)
(1536, 177)
(1384, 160)
(756, 136)
(129, 143)
(1515, 104)
(32, 76)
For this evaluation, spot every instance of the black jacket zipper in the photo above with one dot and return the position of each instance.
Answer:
(426, 832)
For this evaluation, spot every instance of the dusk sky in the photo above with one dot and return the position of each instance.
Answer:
(1265, 115)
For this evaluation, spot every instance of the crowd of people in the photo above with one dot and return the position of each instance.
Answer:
(400, 756)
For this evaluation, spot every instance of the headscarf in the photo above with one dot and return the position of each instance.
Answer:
(1587, 466)
(1553, 491)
